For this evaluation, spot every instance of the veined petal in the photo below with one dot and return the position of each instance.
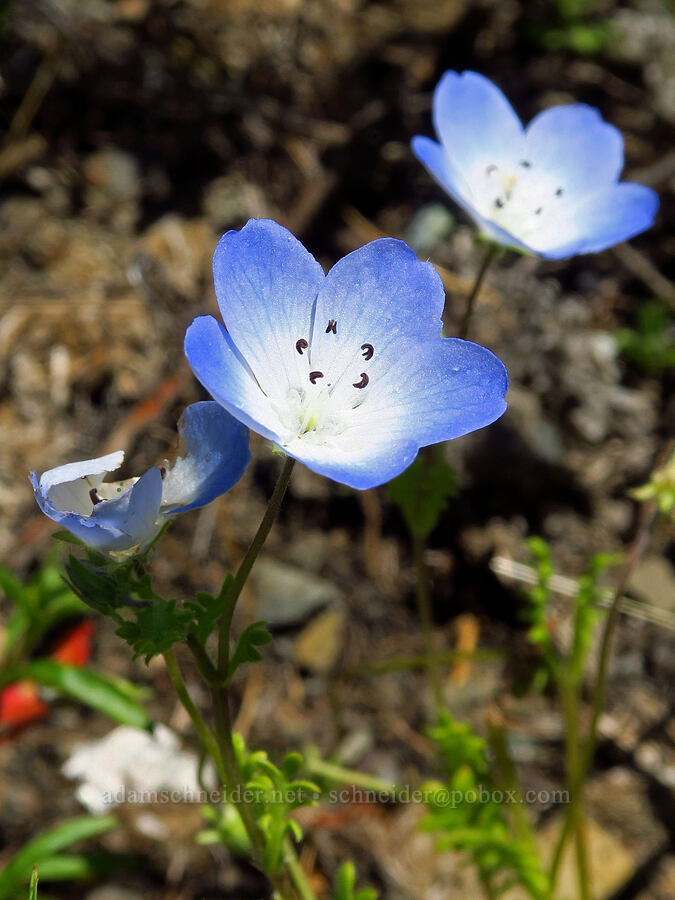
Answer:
(135, 512)
(266, 283)
(375, 297)
(216, 454)
(475, 122)
(573, 145)
(224, 373)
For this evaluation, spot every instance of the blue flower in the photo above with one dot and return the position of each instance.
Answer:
(124, 516)
(550, 189)
(346, 372)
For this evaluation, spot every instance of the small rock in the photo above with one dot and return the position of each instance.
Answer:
(654, 580)
(320, 643)
(287, 595)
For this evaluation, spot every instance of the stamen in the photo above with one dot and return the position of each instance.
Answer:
(162, 472)
(499, 203)
(301, 345)
(332, 326)
(525, 163)
(364, 381)
(368, 351)
(314, 375)
(537, 212)
(94, 497)
(490, 169)
(559, 192)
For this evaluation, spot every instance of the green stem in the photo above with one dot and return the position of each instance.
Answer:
(202, 729)
(295, 870)
(342, 775)
(423, 597)
(419, 661)
(244, 569)
(492, 252)
(508, 779)
(571, 700)
(586, 757)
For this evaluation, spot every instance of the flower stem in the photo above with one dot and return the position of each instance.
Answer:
(341, 775)
(246, 565)
(492, 252)
(424, 609)
(586, 756)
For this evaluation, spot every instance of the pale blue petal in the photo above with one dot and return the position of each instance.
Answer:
(266, 283)
(136, 511)
(216, 453)
(221, 370)
(616, 214)
(474, 121)
(436, 159)
(375, 297)
(68, 486)
(574, 147)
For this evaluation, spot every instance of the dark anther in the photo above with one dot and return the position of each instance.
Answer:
(525, 163)
(368, 351)
(301, 345)
(499, 203)
(162, 472)
(490, 169)
(332, 326)
(364, 381)
(94, 497)
(559, 192)
(537, 212)
(314, 375)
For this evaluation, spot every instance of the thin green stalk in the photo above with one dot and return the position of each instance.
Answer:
(586, 757)
(342, 775)
(423, 597)
(571, 699)
(244, 569)
(419, 661)
(492, 252)
(508, 779)
(296, 872)
(200, 725)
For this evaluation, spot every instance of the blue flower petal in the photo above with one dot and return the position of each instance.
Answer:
(266, 283)
(616, 214)
(219, 367)
(374, 297)
(216, 457)
(475, 121)
(136, 511)
(572, 144)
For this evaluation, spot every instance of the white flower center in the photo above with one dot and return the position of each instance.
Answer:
(320, 407)
(516, 196)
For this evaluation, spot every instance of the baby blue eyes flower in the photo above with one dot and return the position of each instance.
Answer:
(346, 372)
(551, 189)
(124, 516)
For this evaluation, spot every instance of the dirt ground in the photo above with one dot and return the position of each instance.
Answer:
(133, 134)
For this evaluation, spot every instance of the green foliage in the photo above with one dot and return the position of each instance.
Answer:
(661, 488)
(32, 887)
(46, 853)
(466, 809)
(345, 885)
(650, 346)
(422, 493)
(252, 637)
(37, 606)
(207, 609)
(570, 665)
(573, 26)
(273, 792)
(115, 699)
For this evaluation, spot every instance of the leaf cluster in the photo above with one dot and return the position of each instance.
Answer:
(465, 810)
(422, 493)
(274, 792)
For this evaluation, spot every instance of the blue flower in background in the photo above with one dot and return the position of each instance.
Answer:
(124, 516)
(551, 189)
(346, 372)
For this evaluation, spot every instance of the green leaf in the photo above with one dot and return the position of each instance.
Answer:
(422, 493)
(207, 609)
(67, 538)
(97, 588)
(46, 846)
(345, 883)
(252, 637)
(14, 590)
(157, 628)
(83, 685)
(32, 887)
